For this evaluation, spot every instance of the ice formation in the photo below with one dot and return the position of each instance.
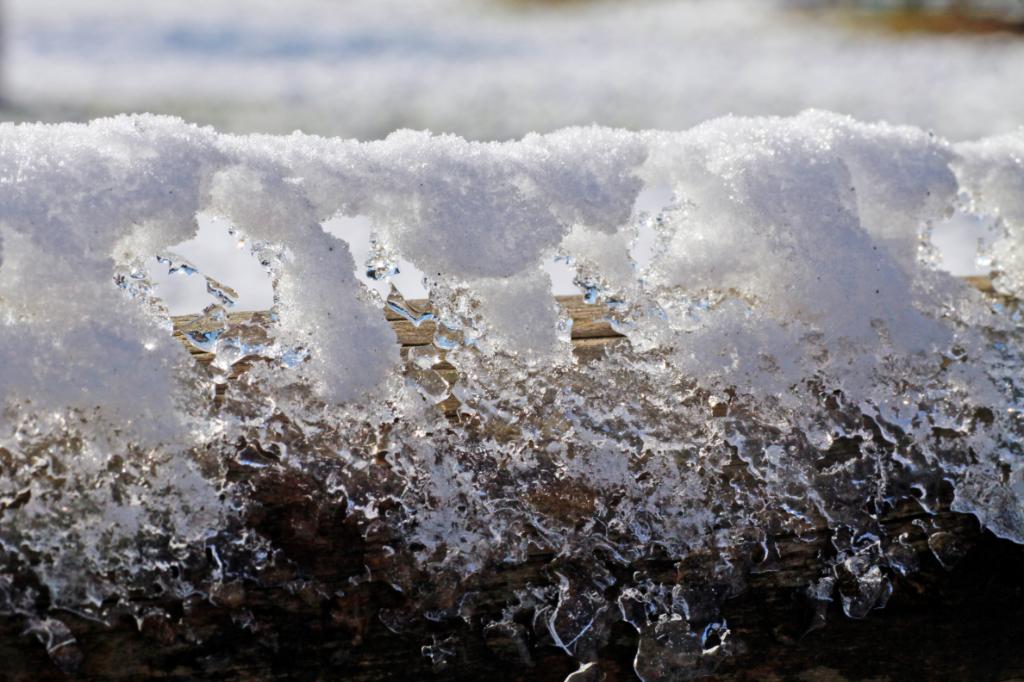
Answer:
(791, 361)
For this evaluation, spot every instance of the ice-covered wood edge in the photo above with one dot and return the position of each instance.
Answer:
(963, 623)
(591, 335)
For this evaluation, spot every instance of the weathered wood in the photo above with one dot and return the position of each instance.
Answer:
(961, 623)
(592, 335)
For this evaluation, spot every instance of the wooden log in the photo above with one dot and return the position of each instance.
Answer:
(959, 621)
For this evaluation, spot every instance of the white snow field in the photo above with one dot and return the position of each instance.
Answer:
(786, 301)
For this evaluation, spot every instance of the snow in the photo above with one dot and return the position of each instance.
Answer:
(489, 71)
(992, 170)
(773, 277)
(816, 220)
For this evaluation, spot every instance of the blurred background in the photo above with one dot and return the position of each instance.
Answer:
(496, 69)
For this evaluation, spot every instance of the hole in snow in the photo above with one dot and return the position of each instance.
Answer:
(218, 254)
(644, 246)
(958, 240)
(370, 268)
(652, 201)
(563, 276)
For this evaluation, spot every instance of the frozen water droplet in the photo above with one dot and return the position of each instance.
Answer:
(440, 652)
(588, 672)
(61, 645)
(947, 548)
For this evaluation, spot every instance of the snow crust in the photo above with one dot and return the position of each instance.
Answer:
(792, 356)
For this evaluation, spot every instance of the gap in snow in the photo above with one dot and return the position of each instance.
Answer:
(653, 200)
(958, 241)
(220, 255)
(357, 232)
(563, 276)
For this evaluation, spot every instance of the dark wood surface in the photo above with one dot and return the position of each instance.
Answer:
(958, 622)
(963, 623)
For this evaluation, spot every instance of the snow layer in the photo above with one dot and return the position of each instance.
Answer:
(787, 312)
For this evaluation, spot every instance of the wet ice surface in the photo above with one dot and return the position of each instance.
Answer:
(793, 361)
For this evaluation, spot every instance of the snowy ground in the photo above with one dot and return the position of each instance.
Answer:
(492, 70)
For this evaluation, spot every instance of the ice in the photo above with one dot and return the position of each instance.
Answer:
(793, 362)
